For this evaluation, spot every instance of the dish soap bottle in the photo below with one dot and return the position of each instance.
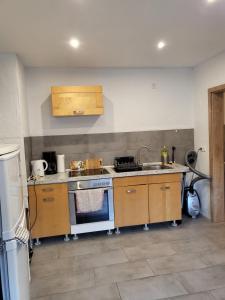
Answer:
(164, 155)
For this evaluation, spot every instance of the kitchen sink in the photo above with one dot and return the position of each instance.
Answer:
(155, 167)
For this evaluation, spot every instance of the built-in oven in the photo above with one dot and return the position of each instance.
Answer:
(98, 219)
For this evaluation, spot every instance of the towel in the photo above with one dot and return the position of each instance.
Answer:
(89, 200)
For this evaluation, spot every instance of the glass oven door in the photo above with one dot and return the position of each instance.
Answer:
(103, 214)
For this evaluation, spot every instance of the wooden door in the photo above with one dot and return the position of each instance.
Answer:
(164, 202)
(49, 210)
(131, 205)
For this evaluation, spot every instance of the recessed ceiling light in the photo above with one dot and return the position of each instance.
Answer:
(161, 45)
(75, 43)
(211, 1)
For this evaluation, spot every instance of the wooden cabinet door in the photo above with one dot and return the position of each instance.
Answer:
(131, 205)
(157, 203)
(164, 202)
(49, 210)
(77, 100)
(173, 201)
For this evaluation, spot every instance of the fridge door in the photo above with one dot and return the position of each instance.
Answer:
(15, 281)
(11, 194)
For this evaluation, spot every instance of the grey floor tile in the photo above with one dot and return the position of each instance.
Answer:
(158, 287)
(218, 294)
(175, 263)
(122, 272)
(56, 266)
(104, 259)
(199, 296)
(194, 245)
(83, 247)
(214, 258)
(148, 251)
(202, 280)
(105, 292)
(62, 283)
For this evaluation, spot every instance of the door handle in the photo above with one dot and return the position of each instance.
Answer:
(131, 191)
(48, 190)
(49, 199)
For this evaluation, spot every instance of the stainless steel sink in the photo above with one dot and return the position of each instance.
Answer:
(155, 167)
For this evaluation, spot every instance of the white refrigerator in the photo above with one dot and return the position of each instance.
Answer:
(14, 258)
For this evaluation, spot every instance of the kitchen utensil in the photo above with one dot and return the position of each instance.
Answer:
(94, 163)
(61, 163)
(76, 165)
(38, 168)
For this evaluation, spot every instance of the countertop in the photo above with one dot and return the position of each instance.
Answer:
(63, 177)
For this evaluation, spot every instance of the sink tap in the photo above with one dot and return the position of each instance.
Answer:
(138, 154)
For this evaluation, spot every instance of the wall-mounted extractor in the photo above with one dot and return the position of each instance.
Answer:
(77, 101)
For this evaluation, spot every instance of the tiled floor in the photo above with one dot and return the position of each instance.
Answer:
(183, 263)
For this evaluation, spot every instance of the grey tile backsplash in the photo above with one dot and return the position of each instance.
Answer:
(109, 145)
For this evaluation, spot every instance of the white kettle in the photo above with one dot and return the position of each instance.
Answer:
(38, 168)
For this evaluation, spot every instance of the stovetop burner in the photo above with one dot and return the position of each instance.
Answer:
(88, 172)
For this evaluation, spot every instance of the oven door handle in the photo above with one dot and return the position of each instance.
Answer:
(105, 189)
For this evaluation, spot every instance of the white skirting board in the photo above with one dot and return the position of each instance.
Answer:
(91, 227)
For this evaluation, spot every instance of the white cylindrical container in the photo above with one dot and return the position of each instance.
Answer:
(61, 163)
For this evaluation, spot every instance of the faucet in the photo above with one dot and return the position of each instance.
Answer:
(138, 154)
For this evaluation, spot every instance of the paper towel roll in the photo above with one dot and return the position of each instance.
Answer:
(61, 163)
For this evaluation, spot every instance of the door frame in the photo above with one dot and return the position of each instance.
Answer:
(216, 151)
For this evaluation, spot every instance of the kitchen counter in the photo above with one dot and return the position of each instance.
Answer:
(63, 177)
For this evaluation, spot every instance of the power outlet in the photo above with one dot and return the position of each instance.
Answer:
(202, 149)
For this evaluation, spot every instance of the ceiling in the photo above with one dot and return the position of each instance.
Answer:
(113, 33)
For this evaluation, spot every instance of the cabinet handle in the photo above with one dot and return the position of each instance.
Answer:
(131, 191)
(78, 112)
(49, 199)
(162, 188)
(48, 189)
(167, 187)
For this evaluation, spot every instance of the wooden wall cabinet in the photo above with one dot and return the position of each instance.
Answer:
(51, 210)
(77, 101)
(147, 199)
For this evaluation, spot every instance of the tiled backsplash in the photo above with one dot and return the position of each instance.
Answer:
(109, 145)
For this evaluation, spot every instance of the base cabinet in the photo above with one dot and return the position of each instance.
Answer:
(49, 210)
(154, 198)
(164, 202)
(131, 205)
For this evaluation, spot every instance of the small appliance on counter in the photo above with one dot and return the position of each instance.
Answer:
(61, 163)
(38, 168)
(126, 164)
(50, 157)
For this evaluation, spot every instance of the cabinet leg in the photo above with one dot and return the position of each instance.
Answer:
(37, 242)
(174, 223)
(117, 231)
(146, 228)
(109, 232)
(75, 237)
(66, 238)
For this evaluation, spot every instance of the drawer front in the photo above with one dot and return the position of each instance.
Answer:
(49, 211)
(126, 181)
(131, 205)
(164, 178)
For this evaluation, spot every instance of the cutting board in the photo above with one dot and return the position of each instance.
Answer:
(93, 163)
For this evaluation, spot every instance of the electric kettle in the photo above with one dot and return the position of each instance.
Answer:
(38, 168)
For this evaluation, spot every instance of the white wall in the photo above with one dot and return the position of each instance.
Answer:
(206, 75)
(131, 102)
(13, 120)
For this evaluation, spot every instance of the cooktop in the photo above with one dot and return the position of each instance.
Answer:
(88, 172)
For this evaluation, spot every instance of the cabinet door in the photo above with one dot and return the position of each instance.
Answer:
(173, 201)
(49, 211)
(131, 205)
(164, 202)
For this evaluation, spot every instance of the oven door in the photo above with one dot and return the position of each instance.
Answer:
(106, 212)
